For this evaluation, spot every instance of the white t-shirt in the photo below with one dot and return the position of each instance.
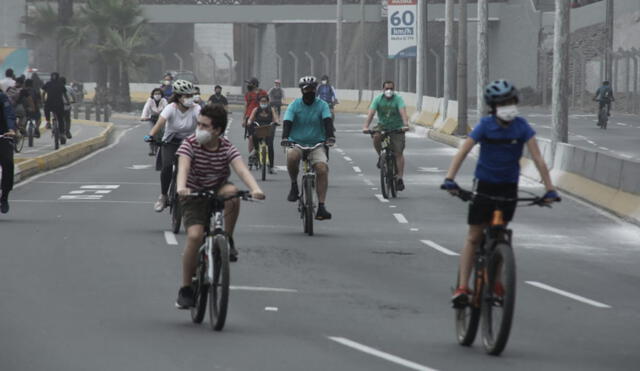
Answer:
(179, 124)
(6, 83)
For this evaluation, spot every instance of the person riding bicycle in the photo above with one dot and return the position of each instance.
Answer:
(327, 93)
(179, 121)
(54, 92)
(392, 115)
(167, 86)
(252, 101)
(265, 114)
(69, 100)
(32, 105)
(204, 162)
(308, 122)
(21, 102)
(604, 96)
(197, 98)
(276, 96)
(152, 109)
(502, 136)
(218, 98)
(7, 129)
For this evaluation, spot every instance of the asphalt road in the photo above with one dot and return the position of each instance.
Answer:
(88, 275)
(44, 144)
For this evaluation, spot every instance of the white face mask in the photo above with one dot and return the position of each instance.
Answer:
(203, 136)
(187, 102)
(264, 105)
(166, 82)
(157, 96)
(388, 93)
(196, 98)
(507, 113)
(325, 82)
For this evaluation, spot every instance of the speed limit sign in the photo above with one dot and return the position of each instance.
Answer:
(401, 26)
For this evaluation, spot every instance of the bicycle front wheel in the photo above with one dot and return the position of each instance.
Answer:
(383, 178)
(19, 143)
(391, 176)
(308, 205)
(263, 162)
(55, 131)
(176, 215)
(468, 318)
(30, 132)
(200, 288)
(219, 288)
(498, 299)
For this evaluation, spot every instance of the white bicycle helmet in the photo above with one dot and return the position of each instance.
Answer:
(307, 81)
(183, 87)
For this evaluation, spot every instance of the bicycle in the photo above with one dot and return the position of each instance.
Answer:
(55, 130)
(31, 129)
(387, 164)
(494, 280)
(212, 274)
(172, 198)
(603, 116)
(306, 199)
(18, 140)
(262, 160)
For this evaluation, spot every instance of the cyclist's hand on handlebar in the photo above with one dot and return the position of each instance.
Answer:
(10, 133)
(450, 186)
(257, 195)
(148, 138)
(551, 197)
(405, 129)
(366, 131)
(330, 142)
(285, 143)
(184, 191)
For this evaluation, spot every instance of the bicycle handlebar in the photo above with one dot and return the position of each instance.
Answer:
(383, 132)
(466, 195)
(244, 195)
(294, 144)
(7, 137)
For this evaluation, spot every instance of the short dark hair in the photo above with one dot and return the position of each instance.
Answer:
(217, 87)
(263, 97)
(9, 72)
(388, 82)
(217, 114)
(156, 90)
(28, 83)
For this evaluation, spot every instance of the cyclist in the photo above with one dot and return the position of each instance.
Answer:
(502, 136)
(392, 115)
(69, 99)
(179, 121)
(8, 81)
(276, 96)
(7, 129)
(205, 159)
(218, 98)
(167, 85)
(252, 100)
(33, 105)
(19, 97)
(152, 109)
(265, 115)
(327, 93)
(197, 99)
(308, 122)
(54, 92)
(604, 96)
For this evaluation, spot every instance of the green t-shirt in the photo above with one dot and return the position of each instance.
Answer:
(388, 111)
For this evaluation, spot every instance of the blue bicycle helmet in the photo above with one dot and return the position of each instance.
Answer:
(500, 91)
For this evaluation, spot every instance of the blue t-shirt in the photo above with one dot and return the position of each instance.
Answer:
(500, 149)
(308, 125)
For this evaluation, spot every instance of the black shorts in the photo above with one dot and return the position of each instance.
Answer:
(481, 210)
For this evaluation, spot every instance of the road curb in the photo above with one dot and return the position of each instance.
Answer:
(65, 155)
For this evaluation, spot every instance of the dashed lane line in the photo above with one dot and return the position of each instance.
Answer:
(170, 238)
(380, 354)
(357, 169)
(400, 218)
(567, 294)
(380, 198)
(347, 158)
(262, 289)
(442, 249)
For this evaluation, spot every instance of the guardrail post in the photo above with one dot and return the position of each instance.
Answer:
(295, 67)
(370, 70)
(180, 61)
(312, 63)
(231, 72)
(214, 67)
(438, 72)
(383, 67)
(97, 113)
(107, 113)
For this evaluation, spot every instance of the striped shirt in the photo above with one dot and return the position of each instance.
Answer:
(209, 169)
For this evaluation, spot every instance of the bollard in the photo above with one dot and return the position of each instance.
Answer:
(87, 111)
(97, 113)
(107, 113)
(76, 111)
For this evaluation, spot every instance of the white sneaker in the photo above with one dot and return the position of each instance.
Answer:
(160, 204)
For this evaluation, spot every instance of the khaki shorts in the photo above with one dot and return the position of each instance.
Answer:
(397, 140)
(196, 210)
(317, 156)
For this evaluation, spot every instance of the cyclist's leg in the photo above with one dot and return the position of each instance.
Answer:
(271, 149)
(294, 155)
(47, 114)
(377, 142)
(319, 161)
(609, 108)
(168, 157)
(6, 162)
(67, 121)
(398, 144)
(231, 208)
(195, 214)
(474, 238)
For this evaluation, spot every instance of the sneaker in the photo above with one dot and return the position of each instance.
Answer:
(293, 193)
(400, 184)
(233, 253)
(322, 213)
(460, 298)
(160, 204)
(379, 162)
(185, 298)
(4, 206)
(68, 134)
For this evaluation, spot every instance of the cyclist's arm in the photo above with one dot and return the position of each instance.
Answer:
(534, 150)
(252, 116)
(405, 117)
(241, 169)
(286, 128)
(158, 126)
(145, 111)
(276, 118)
(184, 166)
(367, 122)
(329, 130)
(458, 159)
(335, 97)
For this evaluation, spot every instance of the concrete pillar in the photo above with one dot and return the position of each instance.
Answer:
(267, 59)
(462, 69)
(448, 55)
(439, 72)
(560, 109)
(483, 55)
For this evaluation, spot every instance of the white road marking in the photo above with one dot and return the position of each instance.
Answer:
(77, 192)
(103, 192)
(604, 148)
(271, 309)
(380, 198)
(579, 298)
(625, 155)
(104, 186)
(400, 218)
(170, 238)
(414, 229)
(357, 169)
(348, 158)
(435, 246)
(623, 124)
(380, 354)
(367, 181)
(280, 168)
(339, 150)
(93, 200)
(139, 167)
(430, 170)
(80, 197)
(261, 289)
(392, 206)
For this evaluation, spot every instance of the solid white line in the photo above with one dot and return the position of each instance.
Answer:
(271, 309)
(80, 197)
(103, 192)
(357, 169)
(77, 192)
(435, 246)
(100, 186)
(543, 286)
(348, 158)
(126, 183)
(170, 238)
(413, 229)
(604, 148)
(380, 354)
(263, 289)
(400, 218)
(380, 198)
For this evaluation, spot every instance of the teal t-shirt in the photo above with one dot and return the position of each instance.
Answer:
(308, 126)
(388, 111)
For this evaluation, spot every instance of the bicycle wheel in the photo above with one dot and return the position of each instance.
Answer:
(19, 142)
(383, 178)
(468, 318)
(497, 312)
(391, 176)
(308, 205)
(263, 161)
(176, 215)
(56, 133)
(200, 288)
(219, 288)
(30, 132)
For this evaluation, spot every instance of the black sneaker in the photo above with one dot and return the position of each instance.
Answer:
(63, 140)
(379, 162)
(322, 213)
(460, 298)
(185, 298)
(4, 206)
(400, 184)
(68, 134)
(293, 193)
(233, 253)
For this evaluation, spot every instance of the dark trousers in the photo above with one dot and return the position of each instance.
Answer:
(168, 157)
(608, 104)
(60, 115)
(6, 162)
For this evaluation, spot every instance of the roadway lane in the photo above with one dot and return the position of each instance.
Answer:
(89, 275)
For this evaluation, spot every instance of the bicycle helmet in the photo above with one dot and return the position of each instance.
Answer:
(500, 91)
(183, 87)
(253, 81)
(307, 81)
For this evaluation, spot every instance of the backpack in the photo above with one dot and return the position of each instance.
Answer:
(14, 94)
(325, 92)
